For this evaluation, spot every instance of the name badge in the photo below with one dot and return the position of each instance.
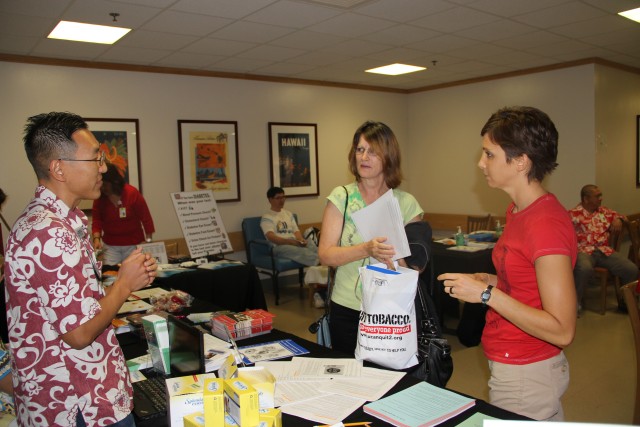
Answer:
(123, 212)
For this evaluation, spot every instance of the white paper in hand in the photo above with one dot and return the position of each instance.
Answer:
(383, 218)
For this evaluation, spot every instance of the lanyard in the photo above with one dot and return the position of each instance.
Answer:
(80, 235)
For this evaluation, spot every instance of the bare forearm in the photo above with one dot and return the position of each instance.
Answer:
(536, 322)
(277, 240)
(137, 271)
(86, 333)
(336, 256)
(555, 321)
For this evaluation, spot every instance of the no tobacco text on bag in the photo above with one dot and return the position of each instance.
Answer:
(387, 328)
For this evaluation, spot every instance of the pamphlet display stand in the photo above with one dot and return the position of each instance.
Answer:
(157, 333)
(201, 223)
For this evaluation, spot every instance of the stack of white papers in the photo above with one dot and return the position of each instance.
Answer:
(383, 218)
(307, 386)
(483, 245)
(466, 248)
(219, 264)
(420, 405)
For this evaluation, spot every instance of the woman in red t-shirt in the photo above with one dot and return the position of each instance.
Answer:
(531, 300)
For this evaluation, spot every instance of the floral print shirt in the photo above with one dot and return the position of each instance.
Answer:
(52, 288)
(592, 229)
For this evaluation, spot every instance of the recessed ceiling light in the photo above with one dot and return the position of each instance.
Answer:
(395, 69)
(633, 14)
(79, 32)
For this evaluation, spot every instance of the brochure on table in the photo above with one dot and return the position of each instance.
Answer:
(201, 223)
(156, 250)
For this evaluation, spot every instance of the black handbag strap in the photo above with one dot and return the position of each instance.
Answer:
(332, 274)
(428, 320)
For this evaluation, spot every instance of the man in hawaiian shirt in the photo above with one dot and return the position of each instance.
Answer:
(68, 368)
(593, 224)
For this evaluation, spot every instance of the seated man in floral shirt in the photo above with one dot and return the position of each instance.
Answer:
(593, 224)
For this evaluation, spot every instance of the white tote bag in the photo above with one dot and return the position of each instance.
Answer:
(387, 334)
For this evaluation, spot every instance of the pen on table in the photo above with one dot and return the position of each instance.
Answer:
(364, 423)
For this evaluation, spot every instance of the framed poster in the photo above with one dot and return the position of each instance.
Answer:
(120, 140)
(209, 158)
(293, 153)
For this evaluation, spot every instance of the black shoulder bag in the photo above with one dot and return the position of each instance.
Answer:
(321, 326)
(434, 352)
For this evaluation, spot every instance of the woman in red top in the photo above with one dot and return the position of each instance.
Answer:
(120, 219)
(531, 300)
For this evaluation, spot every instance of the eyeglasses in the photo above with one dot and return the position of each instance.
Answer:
(282, 197)
(100, 159)
(361, 150)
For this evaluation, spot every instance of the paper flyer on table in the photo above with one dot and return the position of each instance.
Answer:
(383, 218)
(271, 351)
(288, 392)
(146, 293)
(466, 248)
(134, 306)
(316, 409)
(476, 420)
(318, 367)
(372, 385)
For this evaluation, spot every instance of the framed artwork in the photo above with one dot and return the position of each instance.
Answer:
(638, 151)
(209, 158)
(293, 153)
(120, 140)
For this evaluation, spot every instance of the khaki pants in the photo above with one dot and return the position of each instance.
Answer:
(533, 390)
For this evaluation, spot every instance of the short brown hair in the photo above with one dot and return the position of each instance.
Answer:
(525, 130)
(384, 143)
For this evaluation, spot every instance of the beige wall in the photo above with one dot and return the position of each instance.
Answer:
(617, 105)
(444, 129)
(159, 100)
(438, 131)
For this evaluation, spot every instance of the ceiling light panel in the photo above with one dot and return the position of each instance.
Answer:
(395, 69)
(89, 33)
(633, 14)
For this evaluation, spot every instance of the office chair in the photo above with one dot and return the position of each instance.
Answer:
(260, 254)
(476, 223)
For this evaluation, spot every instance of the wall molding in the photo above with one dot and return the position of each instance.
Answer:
(38, 60)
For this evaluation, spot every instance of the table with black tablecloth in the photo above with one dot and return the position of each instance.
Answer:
(132, 346)
(452, 261)
(235, 288)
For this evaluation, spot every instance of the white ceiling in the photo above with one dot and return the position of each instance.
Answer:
(334, 40)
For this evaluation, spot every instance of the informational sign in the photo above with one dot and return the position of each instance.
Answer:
(201, 223)
(156, 250)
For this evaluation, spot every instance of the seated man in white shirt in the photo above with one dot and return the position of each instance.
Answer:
(280, 228)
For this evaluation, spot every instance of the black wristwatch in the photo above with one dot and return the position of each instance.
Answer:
(486, 294)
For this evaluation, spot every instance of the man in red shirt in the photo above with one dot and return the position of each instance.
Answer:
(593, 224)
(68, 368)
